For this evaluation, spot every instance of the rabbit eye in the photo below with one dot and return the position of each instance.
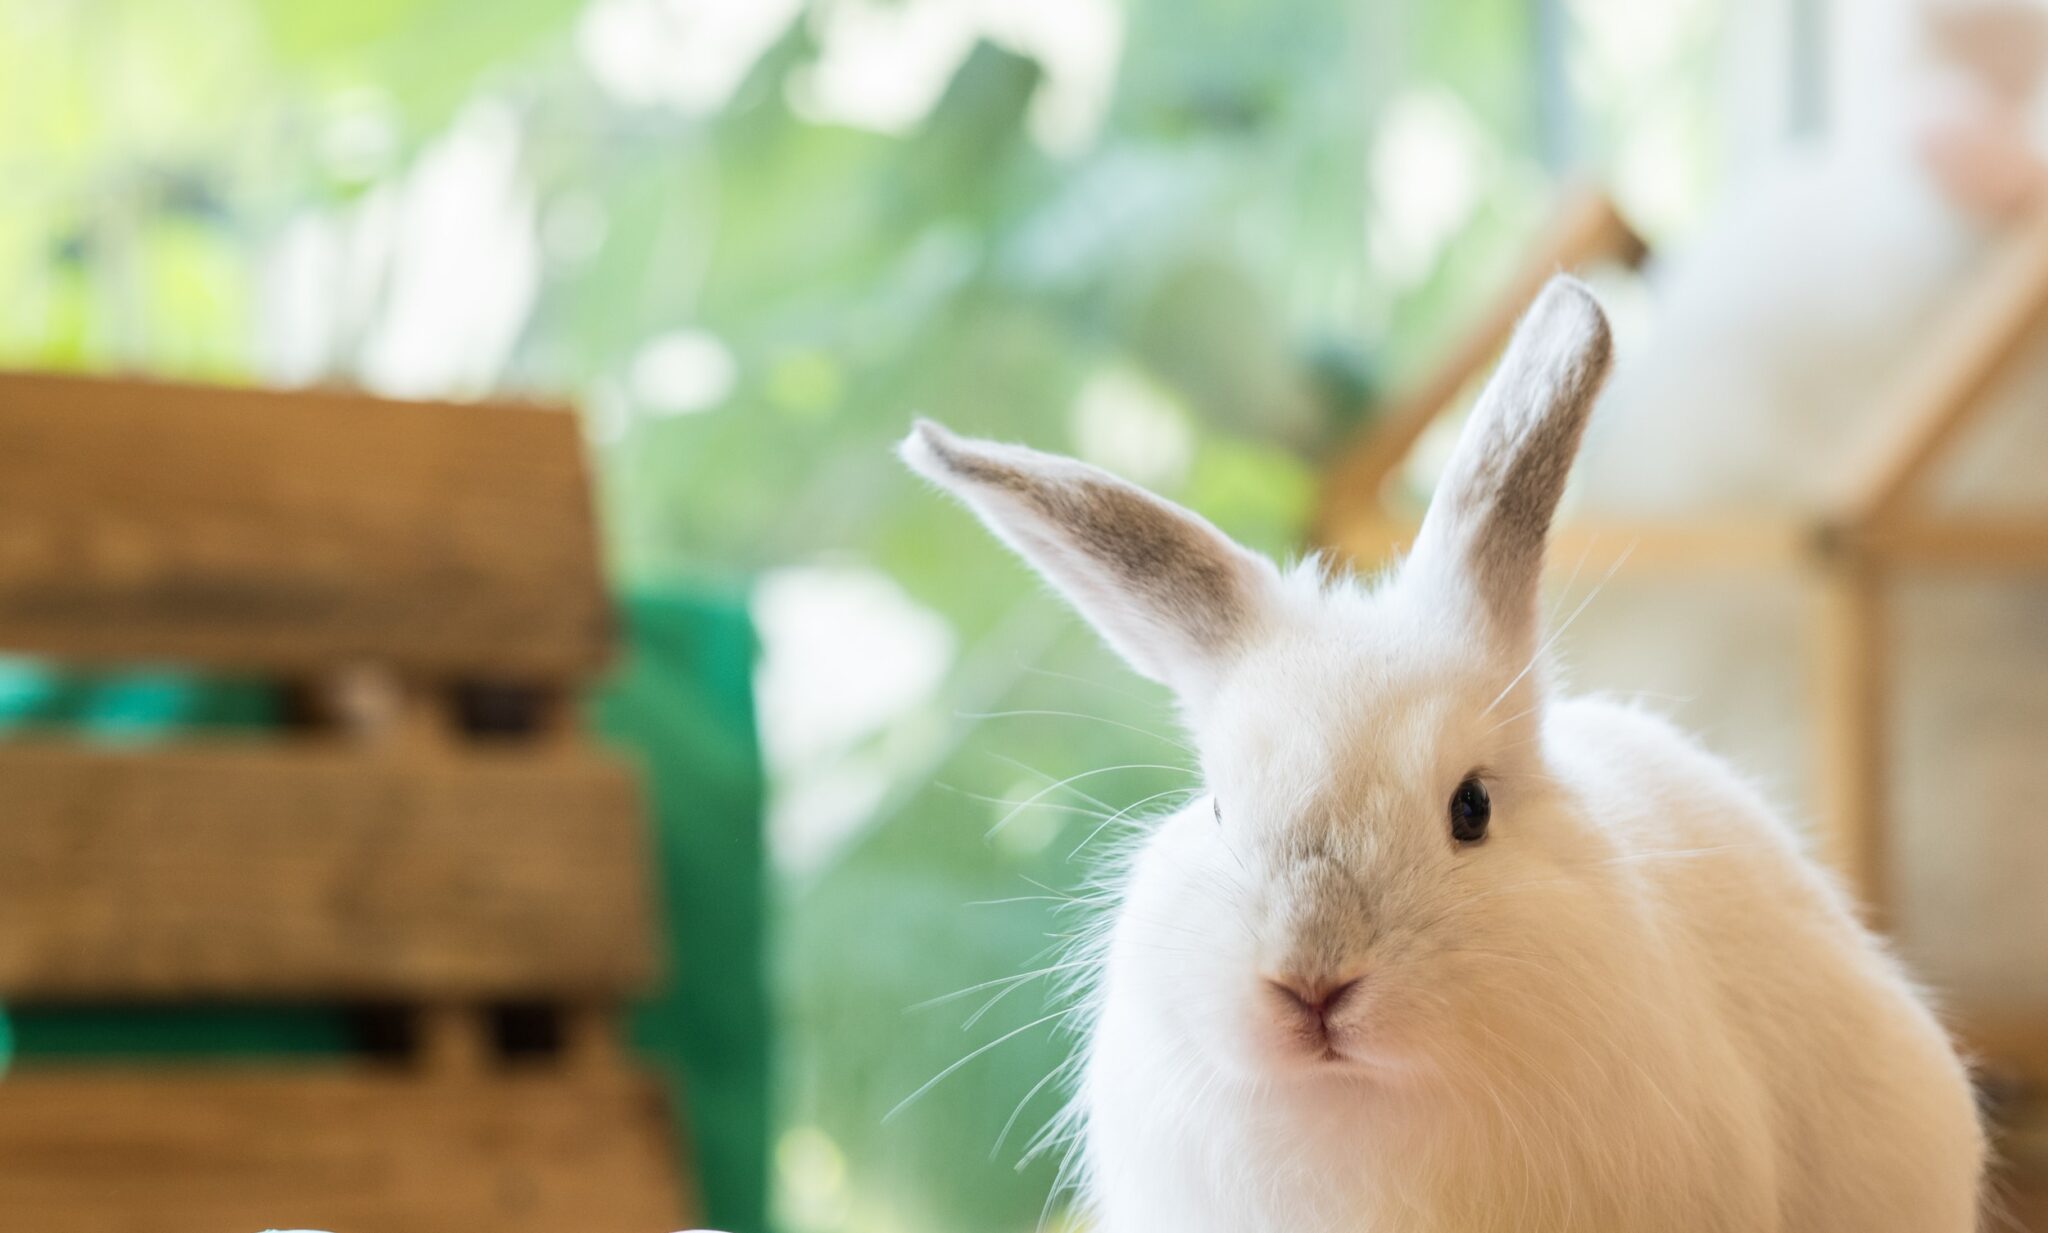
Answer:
(1471, 809)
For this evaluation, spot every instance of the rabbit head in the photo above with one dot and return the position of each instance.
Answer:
(1372, 754)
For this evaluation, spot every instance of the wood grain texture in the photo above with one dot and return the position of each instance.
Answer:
(294, 531)
(235, 1150)
(320, 870)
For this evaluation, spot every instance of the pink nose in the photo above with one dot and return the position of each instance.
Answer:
(1317, 999)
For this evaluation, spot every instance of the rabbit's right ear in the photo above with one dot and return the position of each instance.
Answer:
(1486, 528)
(1168, 591)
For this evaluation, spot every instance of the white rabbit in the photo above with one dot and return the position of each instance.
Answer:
(1442, 950)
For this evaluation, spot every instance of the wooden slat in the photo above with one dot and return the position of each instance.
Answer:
(1988, 544)
(1591, 548)
(319, 870)
(1587, 229)
(1985, 544)
(88, 1152)
(294, 531)
(1938, 397)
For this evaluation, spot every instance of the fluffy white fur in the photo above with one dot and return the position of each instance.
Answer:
(1636, 1005)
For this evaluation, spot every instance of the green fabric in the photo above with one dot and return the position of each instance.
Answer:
(680, 703)
(253, 1033)
(135, 705)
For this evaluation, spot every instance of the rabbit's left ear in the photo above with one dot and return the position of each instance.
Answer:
(1168, 591)
(1488, 524)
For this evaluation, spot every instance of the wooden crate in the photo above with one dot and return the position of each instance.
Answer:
(429, 834)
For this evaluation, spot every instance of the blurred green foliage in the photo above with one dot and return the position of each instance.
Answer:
(1221, 252)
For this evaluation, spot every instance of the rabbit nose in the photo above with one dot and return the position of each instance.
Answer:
(1317, 998)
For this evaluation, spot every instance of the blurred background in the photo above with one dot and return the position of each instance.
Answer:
(1203, 243)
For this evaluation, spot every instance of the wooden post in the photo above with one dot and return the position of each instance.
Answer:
(454, 1041)
(1852, 653)
(590, 1039)
(428, 841)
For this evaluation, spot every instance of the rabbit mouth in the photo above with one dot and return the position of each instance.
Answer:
(1323, 1058)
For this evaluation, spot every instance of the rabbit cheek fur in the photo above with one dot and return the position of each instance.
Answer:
(1632, 1005)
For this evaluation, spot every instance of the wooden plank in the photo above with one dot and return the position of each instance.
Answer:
(1851, 648)
(2005, 544)
(321, 870)
(1592, 547)
(121, 1152)
(1987, 544)
(1942, 393)
(1586, 229)
(294, 531)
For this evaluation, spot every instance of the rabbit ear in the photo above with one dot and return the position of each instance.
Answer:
(1168, 591)
(1488, 523)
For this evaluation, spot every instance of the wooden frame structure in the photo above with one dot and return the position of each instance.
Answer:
(1871, 532)
(428, 837)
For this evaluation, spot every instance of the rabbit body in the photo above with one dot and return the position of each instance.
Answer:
(1440, 951)
(1699, 1037)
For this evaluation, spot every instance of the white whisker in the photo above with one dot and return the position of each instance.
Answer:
(1557, 633)
(936, 1079)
